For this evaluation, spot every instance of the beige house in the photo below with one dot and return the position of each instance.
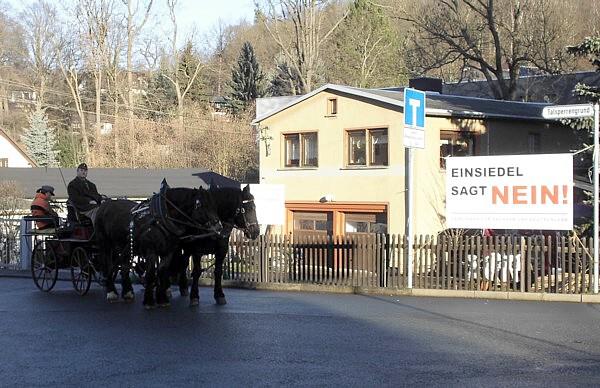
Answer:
(11, 155)
(339, 152)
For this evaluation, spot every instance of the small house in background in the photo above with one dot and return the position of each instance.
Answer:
(11, 154)
(339, 153)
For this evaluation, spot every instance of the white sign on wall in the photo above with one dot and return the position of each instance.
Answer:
(510, 192)
(270, 203)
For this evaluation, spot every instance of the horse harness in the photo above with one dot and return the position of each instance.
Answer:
(153, 213)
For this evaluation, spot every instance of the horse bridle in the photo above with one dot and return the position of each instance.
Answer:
(242, 211)
(192, 223)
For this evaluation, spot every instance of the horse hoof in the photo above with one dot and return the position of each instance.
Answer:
(164, 304)
(112, 296)
(149, 307)
(221, 301)
(129, 296)
(194, 302)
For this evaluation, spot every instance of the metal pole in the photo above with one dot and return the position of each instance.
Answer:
(596, 186)
(410, 219)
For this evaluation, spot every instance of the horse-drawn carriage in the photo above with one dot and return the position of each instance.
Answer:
(157, 231)
(67, 246)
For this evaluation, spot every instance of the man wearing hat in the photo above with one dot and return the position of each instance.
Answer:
(83, 193)
(40, 207)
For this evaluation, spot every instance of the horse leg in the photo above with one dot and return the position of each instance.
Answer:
(182, 273)
(109, 276)
(196, 272)
(127, 291)
(149, 301)
(164, 281)
(219, 258)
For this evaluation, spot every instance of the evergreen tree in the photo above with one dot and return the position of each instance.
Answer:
(40, 139)
(365, 50)
(246, 78)
(285, 82)
(188, 62)
(590, 49)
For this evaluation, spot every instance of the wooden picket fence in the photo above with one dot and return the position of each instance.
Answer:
(500, 263)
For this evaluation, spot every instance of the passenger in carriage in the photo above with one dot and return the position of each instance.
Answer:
(83, 193)
(40, 207)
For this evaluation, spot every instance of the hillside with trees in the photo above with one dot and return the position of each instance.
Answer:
(118, 84)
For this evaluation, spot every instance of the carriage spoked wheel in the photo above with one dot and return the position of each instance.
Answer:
(44, 266)
(81, 270)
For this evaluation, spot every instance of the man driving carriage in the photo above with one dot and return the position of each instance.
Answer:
(40, 207)
(83, 193)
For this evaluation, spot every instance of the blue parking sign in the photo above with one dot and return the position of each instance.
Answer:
(414, 108)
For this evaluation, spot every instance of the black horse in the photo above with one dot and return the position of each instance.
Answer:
(235, 209)
(152, 228)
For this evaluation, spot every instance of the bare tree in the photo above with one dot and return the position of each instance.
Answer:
(40, 23)
(71, 61)
(191, 75)
(494, 37)
(297, 27)
(94, 18)
(134, 28)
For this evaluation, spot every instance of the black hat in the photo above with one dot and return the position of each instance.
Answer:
(82, 166)
(46, 189)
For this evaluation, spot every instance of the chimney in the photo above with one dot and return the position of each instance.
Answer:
(426, 84)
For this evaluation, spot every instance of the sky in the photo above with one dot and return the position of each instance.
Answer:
(204, 14)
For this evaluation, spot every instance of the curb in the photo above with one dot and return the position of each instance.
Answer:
(357, 290)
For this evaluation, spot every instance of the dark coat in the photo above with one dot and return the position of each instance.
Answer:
(81, 192)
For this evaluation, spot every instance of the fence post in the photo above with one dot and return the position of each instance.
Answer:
(25, 245)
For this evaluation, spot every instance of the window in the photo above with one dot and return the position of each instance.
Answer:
(534, 143)
(3, 162)
(367, 147)
(313, 222)
(455, 144)
(301, 150)
(332, 108)
(366, 223)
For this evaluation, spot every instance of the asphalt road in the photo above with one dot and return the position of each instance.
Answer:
(264, 338)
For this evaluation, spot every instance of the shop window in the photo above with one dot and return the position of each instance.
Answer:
(301, 149)
(367, 147)
(455, 144)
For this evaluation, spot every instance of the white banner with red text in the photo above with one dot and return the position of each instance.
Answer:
(510, 192)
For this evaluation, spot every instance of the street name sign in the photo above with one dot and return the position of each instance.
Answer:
(568, 111)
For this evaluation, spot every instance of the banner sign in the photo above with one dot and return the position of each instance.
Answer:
(510, 192)
(270, 203)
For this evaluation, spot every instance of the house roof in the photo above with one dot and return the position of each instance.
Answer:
(438, 105)
(554, 88)
(17, 147)
(115, 182)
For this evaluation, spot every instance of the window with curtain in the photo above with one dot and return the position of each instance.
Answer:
(301, 150)
(367, 147)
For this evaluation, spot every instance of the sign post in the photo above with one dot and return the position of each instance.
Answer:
(578, 111)
(414, 137)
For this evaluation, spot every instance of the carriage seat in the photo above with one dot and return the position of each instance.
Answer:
(75, 216)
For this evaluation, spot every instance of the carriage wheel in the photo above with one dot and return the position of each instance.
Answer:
(81, 270)
(44, 266)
